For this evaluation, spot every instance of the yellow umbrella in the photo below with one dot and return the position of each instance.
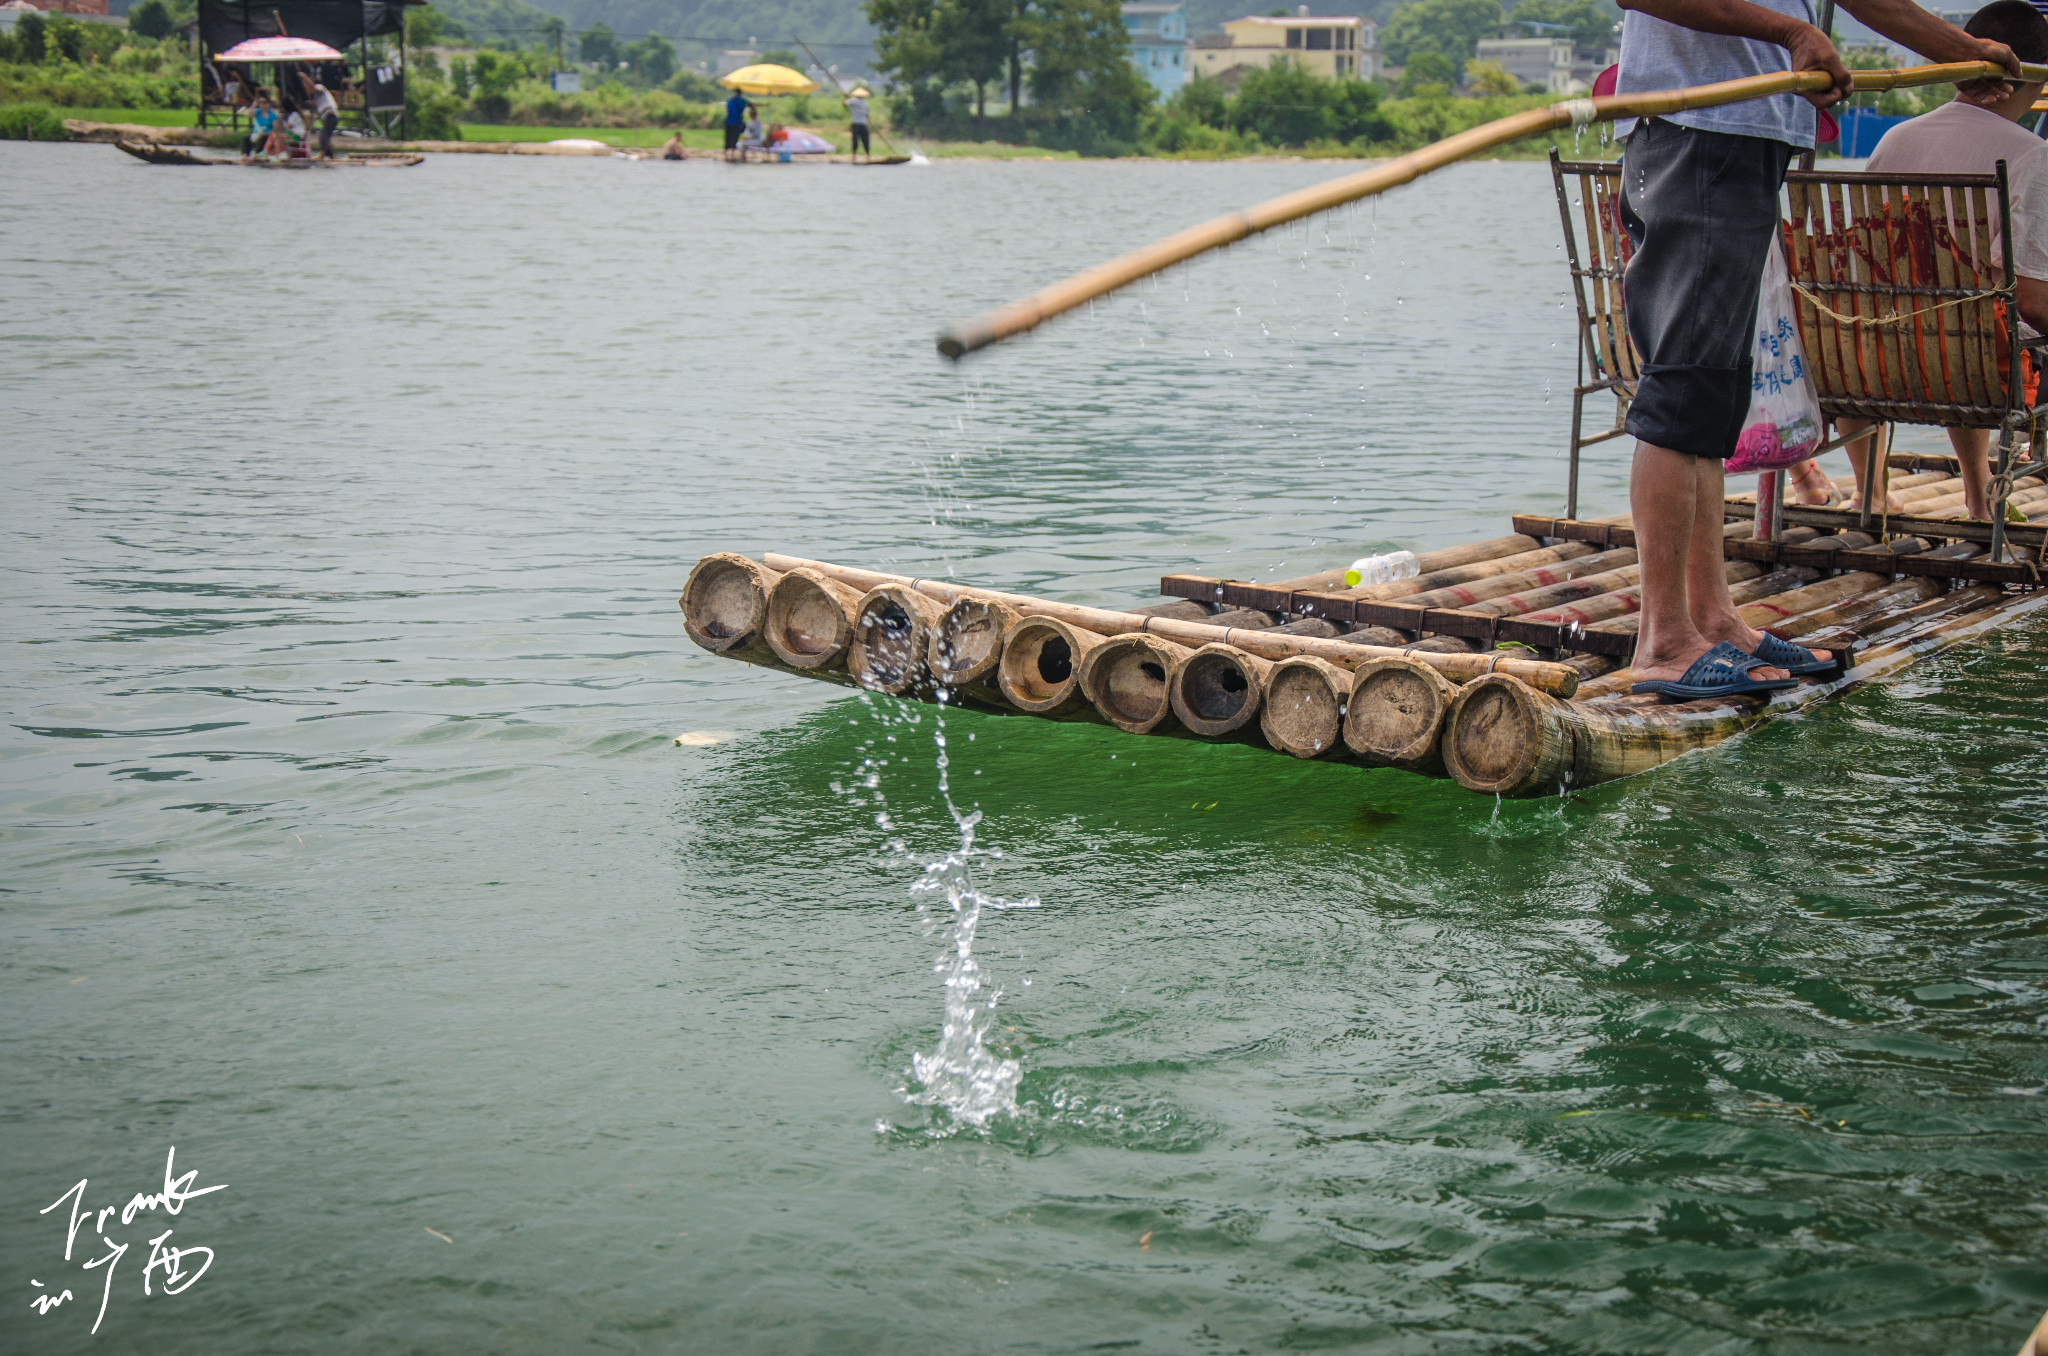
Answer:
(768, 78)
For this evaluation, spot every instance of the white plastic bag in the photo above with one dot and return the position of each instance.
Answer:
(1783, 426)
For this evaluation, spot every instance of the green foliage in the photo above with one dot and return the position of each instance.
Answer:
(1591, 22)
(697, 88)
(432, 110)
(782, 56)
(1081, 77)
(1449, 28)
(458, 77)
(1285, 105)
(1490, 77)
(598, 47)
(652, 60)
(31, 39)
(151, 19)
(1429, 75)
(529, 102)
(504, 24)
(1897, 103)
(30, 122)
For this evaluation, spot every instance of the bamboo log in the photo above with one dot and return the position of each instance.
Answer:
(810, 620)
(1503, 737)
(1427, 563)
(1395, 717)
(1576, 566)
(892, 634)
(1343, 652)
(1217, 690)
(967, 644)
(1032, 311)
(1040, 672)
(1850, 616)
(725, 606)
(1127, 679)
(1303, 713)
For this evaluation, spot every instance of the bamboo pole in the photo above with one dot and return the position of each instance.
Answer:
(1506, 738)
(1303, 713)
(1040, 668)
(809, 621)
(1427, 563)
(1396, 714)
(1034, 310)
(725, 605)
(1127, 679)
(1480, 590)
(1217, 690)
(892, 629)
(967, 644)
(1459, 667)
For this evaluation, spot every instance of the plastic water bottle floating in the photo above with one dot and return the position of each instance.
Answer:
(1382, 569)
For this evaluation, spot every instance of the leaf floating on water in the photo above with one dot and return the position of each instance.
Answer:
(1145, 1243)
(438, 1234)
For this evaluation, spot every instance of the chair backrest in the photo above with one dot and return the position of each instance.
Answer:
(1590, 191)
(1904, 289)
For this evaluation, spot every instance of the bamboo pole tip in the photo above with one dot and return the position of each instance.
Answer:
(1128, 679)
(1495, 735)
(891, 636)
(1303, 710)
(1397, 711)
(725, 601)
(809, 621)
(1217, 690)
(1039, 671)
(967, 644)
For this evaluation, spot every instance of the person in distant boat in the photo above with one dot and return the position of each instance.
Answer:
(1700, 202)
(1970, 135)
(262, 119)
(672, 149)
(295, 133)
(857, 110)
(755, 137)
(326, 113)
(735, 121)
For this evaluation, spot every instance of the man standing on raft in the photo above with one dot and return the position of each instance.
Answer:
(1700, 201)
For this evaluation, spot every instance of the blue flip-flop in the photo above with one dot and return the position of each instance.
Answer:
(1721, 672)
(1796, 660)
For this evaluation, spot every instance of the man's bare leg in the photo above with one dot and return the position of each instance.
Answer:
(1856, 450)
(1973, 449)
(1709, 604)
(1664, 497)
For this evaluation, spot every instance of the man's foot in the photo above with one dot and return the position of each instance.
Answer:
(1670, 666)
(1747, 638)
(1892, 504)
(1723, 671)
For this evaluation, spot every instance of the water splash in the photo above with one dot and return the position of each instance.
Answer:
(963, 1078)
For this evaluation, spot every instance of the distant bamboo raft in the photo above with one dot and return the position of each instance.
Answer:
(1503, 664)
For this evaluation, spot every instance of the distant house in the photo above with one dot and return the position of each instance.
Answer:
(1159, 43)
(1553, 63)
(1332, 46)
(732, 58)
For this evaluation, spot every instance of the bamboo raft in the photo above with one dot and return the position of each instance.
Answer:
(1502, 665)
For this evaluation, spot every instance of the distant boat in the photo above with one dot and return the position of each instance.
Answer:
(157, 153)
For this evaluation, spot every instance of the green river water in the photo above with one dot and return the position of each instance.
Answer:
(347, 849)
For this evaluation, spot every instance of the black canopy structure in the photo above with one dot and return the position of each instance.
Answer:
(379, 95)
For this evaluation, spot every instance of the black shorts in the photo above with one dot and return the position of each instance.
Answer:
(1702, 208)
(732, 134)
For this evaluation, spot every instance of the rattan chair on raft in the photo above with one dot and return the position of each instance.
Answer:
(1907, 303)
(1909, 309)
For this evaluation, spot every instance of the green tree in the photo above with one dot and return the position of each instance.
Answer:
(151, 19)
(1428, 75)
(1080, 63)
(1449, 28)
(1490, 77)
(974, 36)
(32, 38)
(598, 46)
(1591, 23)
(782, 56)
(653, 59)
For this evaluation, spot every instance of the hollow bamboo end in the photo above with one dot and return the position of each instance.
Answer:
(892, 627)
(810, 619)
(1303, 711)
(1396, 714)
(967, 644)
(1497, 738)
(1040, 667)
(725, 603)
(1129, 679)
(1217, 690)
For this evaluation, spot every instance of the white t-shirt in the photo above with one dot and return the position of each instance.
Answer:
(1960, 138)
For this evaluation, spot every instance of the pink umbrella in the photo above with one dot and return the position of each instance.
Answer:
(280, 49)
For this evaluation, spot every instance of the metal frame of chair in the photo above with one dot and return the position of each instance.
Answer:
(1607, 360)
